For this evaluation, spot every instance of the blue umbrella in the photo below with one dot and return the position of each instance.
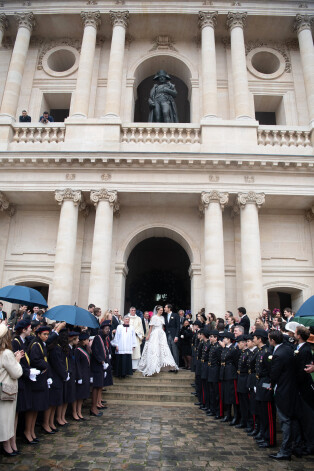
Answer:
(307, 308)
(22, 295)
(73, 315)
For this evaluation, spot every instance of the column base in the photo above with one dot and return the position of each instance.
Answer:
(111, 118)
(6, 118)
(245, 117)
(78, 116)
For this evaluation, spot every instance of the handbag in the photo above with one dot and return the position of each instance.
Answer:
(8, 392)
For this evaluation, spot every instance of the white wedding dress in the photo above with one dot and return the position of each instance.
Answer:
(156, 355)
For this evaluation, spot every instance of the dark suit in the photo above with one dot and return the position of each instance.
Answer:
(25, 119)
(172, 330)
(245, 322)
(305, 383)
(114, 323)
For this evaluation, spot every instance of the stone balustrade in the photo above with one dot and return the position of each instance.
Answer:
(158, 134)
(283, 136)
(39, 133)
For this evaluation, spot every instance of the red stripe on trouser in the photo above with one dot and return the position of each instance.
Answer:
(271, 425)
(220, 400)
(235, 391)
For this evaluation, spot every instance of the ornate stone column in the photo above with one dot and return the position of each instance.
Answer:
(212, 205)
(119, 20)
(3, 26)
(13, 83)
(62, 284)
(207, 23)
(251, 261)
(106, 203)
(302, 25)
(91, 21)
(236, 23)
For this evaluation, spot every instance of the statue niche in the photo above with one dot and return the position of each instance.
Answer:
(161, 100)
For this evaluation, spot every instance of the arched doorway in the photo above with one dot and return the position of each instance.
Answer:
(282, 297)
(158, 273)
(43, 288)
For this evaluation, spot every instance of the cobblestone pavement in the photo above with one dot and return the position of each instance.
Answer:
(151, 438)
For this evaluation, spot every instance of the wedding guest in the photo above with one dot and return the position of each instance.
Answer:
(83, 373)
(124, 343)
(185, 344)
(98, 369)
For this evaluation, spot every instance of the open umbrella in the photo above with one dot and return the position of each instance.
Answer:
(305, 315)
(73, 315)
(22, 295)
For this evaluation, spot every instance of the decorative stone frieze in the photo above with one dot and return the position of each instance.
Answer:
(119, 18)
(303, 22)
(91, 18)
(51, 44)
(5, 205)
(163, 42)
(213, 196)
(68, 194)
(249, 178)
(26, 20)
(309, 214)
(4, 24)
(106, 177)
(235, 19)
(279, 47)
(104, 194)
(207, 18)
(251, 198)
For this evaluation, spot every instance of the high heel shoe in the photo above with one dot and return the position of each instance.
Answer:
(29, 442)
(95, 415)
(76, 420)
(6, 453)
(47, 432)
(16, 451)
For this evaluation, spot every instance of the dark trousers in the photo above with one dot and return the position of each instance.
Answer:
(198, 387)
(214, 398)
(285, 425)
(205, 393)
(267, 414)
(244, 407)
(142, 345)
(173, 348)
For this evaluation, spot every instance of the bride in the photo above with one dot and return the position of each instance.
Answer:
(156, 355)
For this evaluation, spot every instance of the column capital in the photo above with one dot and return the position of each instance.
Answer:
(5, 205)
(4, 24)
(91, 18)
(236, 19)
(68, 195)
(104, 194)
(309, 214)
(119, 18)
(251, 198)
(26, 20)
(302, 22)
(207, 18)
(213, 196)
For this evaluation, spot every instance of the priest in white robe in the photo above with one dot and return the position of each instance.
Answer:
(124, 342)
(136, 323)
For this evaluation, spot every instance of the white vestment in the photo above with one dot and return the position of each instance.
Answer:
(125, 340)
(136, 323)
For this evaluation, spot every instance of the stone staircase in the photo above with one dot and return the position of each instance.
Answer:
(164, 389)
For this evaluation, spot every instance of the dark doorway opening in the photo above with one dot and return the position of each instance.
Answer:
(266, 117)
(141, 105)
(41, 287)
(282, 297)
(59, 115)
(158, 274)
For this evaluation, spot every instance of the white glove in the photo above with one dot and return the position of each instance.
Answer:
(109, 357)
(34, 371)
(182, 336)
(91, 380)
(105, 365)
(68, 377)
(79, 381)
(105, 374)
(32, 377)
(255, 389)
(49, 382)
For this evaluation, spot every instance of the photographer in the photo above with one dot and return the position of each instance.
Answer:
(45, 118)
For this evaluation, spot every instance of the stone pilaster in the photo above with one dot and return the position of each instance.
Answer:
(4, 24)
(6, 206)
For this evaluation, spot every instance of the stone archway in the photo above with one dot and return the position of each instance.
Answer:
(285, 294)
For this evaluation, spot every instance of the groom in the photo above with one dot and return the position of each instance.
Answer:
(172, 325)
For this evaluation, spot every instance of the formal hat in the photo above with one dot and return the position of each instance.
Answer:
(3, 330)
(22, 325)
(206, 332)
(249, 337)
(311, 338)
(241, 338)
(73, 333)
(261, 333)
(214, 332)
(43, 328)
(201, 331)
(227, 335)
(105, 323)
(161, 73)
(198, 323)
(84, 336)
(292, 326)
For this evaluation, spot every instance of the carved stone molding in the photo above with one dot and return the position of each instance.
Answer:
(104, 194)
(251, 198)
(235, 19)
(207, 2)
(163, 42)
(68, 194)
(91, 2)
(26, 20)
(309, 214)
(120, 2)
(6, 206)
(91, 18)
(4, 24)
(249, 178)
(226, 42)
(214, 178)
(213, 196)
(128, 40)
(303, 22)
(282, 48)
(119, 18)
(106, 177)
(50, 44)
(207, 18)
(70, 176)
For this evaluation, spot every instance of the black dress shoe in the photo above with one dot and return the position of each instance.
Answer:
(259, 436)
(210, 413)
(234, 422)
(240, 426)
(83, 419)
(17, 452)
(194, 393)
(102, 407)
(29, 442)
(76, 420)
(197, 403)
(217, 417)
(253, 434)
(278, 456)
(263, 445)
(36, 440)
(47, 432)
(95, 415)
(193, 384)
(226, 419)
(249, 430)
(6, 453)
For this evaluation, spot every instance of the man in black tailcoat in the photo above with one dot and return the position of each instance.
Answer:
(172, 327)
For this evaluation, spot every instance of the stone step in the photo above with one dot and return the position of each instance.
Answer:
(173, 396)
(150, 403)
(178, 382)
(151, 387)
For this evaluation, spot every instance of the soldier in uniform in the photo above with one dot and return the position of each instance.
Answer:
(196, 327)
(198, 369)
(243, 373)
(204, 370)
(264, 395)
(216, 407)
(254, 423)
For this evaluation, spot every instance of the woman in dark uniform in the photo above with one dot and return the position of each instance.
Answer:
(98, 366)
(228, 377)
(185, 344)
(83, 374)
(40, 392)
(108, 337)
(24, 396)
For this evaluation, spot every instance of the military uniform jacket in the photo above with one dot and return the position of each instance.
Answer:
(251, 380)
(263, 366)
(58, 366)
(204, 360)
(243, 372)
(198, 369)
(214, 363)
(229, 363)
(38, 359)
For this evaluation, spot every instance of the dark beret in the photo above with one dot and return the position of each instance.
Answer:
(214, 332)
(73, 333)
(198, 323)
(227, 335)
(84, 336)
(23, 324)
(241, 338)
(261, 333)
(105, 323)
(43, 328)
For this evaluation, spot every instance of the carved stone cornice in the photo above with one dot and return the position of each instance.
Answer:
(104, 194)
(26, 20)
(68, 195)
(4, 24)
(6, 206)
(251, 198)
(91, 18)
(235, 19)
(309, 214)
(119, 18)
(207, 18)
(163, 42)
(213, 196)
(303, 22)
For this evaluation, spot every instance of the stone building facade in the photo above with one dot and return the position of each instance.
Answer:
(227, 194)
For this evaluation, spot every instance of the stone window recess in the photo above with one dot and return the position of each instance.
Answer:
(269, 109)
(59, 58)
(267, 63)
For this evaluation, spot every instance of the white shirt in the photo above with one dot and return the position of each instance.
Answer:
(125, 340)
(168, 316)
(300, 345)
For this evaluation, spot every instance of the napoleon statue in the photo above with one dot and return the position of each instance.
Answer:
(161, 100)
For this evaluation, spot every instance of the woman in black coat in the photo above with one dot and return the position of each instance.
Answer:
(83, 374)
(185, 344)
(228, 377)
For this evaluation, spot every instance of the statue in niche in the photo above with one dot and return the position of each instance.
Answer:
(161, 100)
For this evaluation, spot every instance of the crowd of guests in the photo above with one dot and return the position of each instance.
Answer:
(246, 376)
